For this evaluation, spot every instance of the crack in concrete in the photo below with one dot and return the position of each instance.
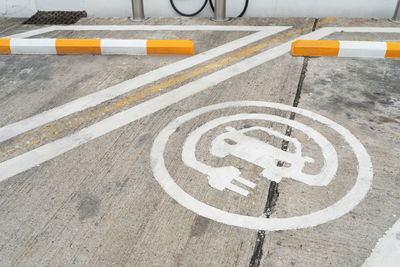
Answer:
(273, 192)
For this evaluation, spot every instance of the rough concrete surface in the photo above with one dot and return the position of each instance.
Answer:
(361, 94)
(100, 205)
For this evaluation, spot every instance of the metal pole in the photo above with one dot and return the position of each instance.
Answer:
(396, 16)
(137, 10)
(220, 11)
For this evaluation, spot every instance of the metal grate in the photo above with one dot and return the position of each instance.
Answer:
(56, 17)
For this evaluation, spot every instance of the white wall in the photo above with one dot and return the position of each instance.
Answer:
(60, 5)
(257, 8)
(17, 8)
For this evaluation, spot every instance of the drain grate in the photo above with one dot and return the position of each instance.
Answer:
(56, 17)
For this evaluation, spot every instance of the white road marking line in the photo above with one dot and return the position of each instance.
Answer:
(30, 33)
(46, 152)
(387, 251)
(188, 28)
(365, 29)
(14, 129)
(142, 28)
(91, 100)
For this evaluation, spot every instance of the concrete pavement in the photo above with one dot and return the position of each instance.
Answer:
(101, 202)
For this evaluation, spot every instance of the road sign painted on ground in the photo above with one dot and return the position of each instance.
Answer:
(239, 144)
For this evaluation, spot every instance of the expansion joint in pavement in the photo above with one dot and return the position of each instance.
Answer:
(273, 192)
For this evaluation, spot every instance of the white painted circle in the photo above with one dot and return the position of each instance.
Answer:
(338, 209)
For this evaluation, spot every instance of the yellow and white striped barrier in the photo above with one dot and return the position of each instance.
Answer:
(320, 48)
(96, 46)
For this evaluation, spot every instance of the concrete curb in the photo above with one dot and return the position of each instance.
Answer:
(96, 46)
(318, 48)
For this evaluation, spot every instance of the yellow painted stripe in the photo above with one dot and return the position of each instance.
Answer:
(315, 48)
(78, 46)
(5, 46)
(4, 25)
(170, 47)
(393, 50)
(61, 127)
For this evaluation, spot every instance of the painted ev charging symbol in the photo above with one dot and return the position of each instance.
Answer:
(237, 143)
(240, 144)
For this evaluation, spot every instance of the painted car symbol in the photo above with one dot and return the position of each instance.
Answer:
(237, 143)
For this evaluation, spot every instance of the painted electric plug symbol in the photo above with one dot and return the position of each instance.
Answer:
(221, 178)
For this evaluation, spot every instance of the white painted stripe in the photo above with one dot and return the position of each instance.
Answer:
(387, 251)
(33, 46)
(94, 99)
(142, 28)
(46, 152)
(189, 28)
(365, 29)
(160, 28)
(123, 47)
(31, 33)
(362, 49)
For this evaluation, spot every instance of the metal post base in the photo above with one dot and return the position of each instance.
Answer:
(138, 11)
(220, 20)
(394, 21)
(139, 20)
